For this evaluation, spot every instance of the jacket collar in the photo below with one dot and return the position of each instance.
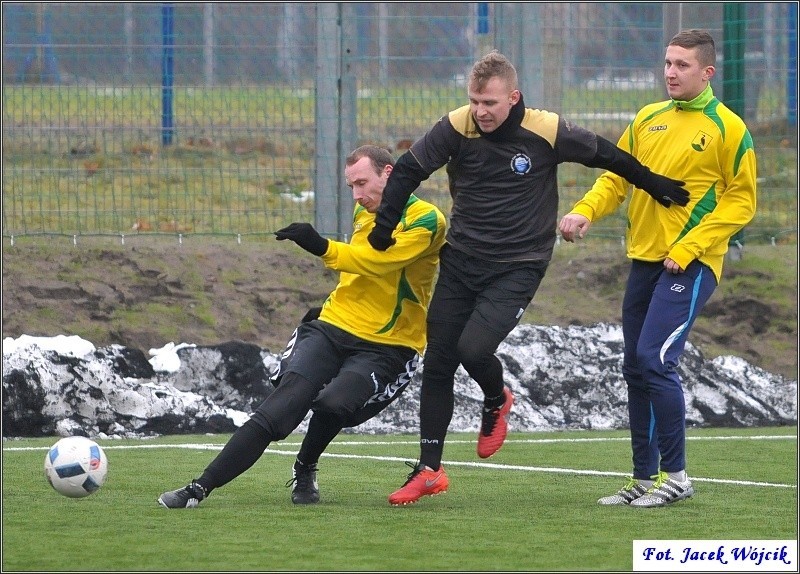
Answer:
(698, 103)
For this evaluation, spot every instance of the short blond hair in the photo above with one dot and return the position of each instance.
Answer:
(493, 65)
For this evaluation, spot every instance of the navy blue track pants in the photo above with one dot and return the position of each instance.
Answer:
(658, 311)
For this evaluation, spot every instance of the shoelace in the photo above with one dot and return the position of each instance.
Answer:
(659, 479)
(632, 482)
(489, 420)
(303, 479)
(414, 472)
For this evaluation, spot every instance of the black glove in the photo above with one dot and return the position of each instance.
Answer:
(381, 238)
(664, 190)
(305, 236)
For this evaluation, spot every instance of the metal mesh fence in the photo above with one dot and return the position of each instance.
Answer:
(234, 118)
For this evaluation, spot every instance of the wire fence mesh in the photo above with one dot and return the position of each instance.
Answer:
(233, 118)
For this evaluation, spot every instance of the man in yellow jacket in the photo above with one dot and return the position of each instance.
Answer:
(676, 253)
(359, 354)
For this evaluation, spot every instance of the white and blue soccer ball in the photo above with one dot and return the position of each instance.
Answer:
(76, 466)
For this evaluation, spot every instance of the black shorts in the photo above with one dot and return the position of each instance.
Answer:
(319, 351)
(491, 294)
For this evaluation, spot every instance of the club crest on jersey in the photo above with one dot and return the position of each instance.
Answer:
(520, 164)
(701, 141)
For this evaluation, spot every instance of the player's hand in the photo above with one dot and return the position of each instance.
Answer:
(380, 238)
(671, 266)
(305, 236)
(574, 226)
(664, 190)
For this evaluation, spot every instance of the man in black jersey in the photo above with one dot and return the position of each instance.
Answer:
(501, 160)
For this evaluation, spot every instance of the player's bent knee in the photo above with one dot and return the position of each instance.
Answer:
(333, 407)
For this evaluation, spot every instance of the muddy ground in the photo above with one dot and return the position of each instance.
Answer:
(152, 291)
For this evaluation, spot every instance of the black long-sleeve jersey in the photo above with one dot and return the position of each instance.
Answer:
(503, 183)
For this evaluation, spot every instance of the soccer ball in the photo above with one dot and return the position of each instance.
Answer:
(76, 466)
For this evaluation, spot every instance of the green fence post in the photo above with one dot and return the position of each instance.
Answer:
(733, 44)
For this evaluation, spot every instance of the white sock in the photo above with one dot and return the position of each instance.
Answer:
(646, 483)
(680, 476)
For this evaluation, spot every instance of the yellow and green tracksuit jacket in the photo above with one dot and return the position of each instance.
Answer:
(705, 145)
(383, 296)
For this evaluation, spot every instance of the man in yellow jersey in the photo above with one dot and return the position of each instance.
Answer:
(676, 254)
(359, 354)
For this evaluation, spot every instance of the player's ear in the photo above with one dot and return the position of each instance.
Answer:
(709, 73)
(513, 97)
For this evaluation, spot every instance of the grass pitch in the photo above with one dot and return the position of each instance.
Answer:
(530, 507)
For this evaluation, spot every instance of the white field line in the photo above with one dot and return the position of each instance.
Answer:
(275, 448)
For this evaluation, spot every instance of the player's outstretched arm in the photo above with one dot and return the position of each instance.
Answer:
(664, 190)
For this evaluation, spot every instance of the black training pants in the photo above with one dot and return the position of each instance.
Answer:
(475, 306)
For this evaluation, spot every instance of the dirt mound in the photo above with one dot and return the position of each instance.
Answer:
(153, 291)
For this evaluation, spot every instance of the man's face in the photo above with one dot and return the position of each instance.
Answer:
(367, 185)
(491, 105)
(684, 76)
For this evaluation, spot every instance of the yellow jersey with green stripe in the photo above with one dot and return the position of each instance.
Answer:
(702, 143)
(383, 296)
